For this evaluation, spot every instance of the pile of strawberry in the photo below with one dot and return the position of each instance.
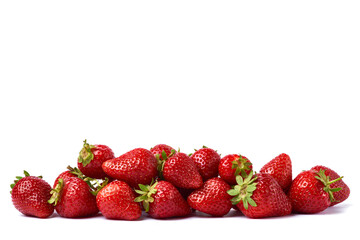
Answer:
(167, 183)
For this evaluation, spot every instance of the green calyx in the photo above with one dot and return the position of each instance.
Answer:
(327, 182)
(146, 192)
(244, 190)
(95, 184)
(26, 174)
(241, 165)
(55, 193)
(161, 161)
(85, 155)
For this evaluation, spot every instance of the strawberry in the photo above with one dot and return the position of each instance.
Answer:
(180, 170)
(162, 200)
(73, 198)
(260, 196)
(310, 192)
(91, 158)
(232, 165)
(159, 149)
(207, 162)
(138, 166)
(212, 198)
(116, 201)
(280, 169)
(30, 195)
(65, 176)
(339, 196)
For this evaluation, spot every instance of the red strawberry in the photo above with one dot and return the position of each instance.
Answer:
(260, 196)
(341, 195)
(162, 200)
(212, 198)
(310, 192)
(180, 170)
(207, 162)
(280, 169)
(91, 158)
(158, 150)
(64, 176)
(30, 195)
(138, 166)
(73, 198)
(232, 165)
(116, 201)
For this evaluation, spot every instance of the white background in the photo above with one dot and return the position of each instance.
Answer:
(257, 78)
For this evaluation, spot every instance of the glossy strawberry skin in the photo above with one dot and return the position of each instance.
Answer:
(307, 193)
(116, 201)
(207, 162)
(270, 199)
(64, 176)
(76, 199)
(280, 168)
(212, 198)
(341, 195)
(180, 170)
(158, 149)
(138, 166)
(94, 169)
(30, 195)
(168, 202)
(226, 171)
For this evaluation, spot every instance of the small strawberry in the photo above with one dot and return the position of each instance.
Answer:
(280, 168)
(138, 166)
(162, 200)
(180, 170)
(116, 201)
(232, 165)
(159, 149)
(91, 158)
(73, 198)
(212, 198)
(30, 195)
(260, 196)
(310, 192)
(207, 162)
(341, 195)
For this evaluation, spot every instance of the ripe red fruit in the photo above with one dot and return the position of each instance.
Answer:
(260, 196)
(212, 198)
(138, 166)
(30, 195)
(180, 170)
(64, 176)
(341, 195)
(310, 192)
(232, 165)
(280, 168)
(162, 200)
(91, 158)
(116, 201)
(73, 198)
(158, 150)
(207, 162)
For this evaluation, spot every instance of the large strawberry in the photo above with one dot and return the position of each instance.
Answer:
(341, 195)
(280, 168)
(180, 170)
(162, 200)
(311, 191)
(91, 158)
(260, 196)
(73, 198)
(138, 166)
(207, 162)
(116, 201)
(30, 195)
(212, 198)
(232, 165)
